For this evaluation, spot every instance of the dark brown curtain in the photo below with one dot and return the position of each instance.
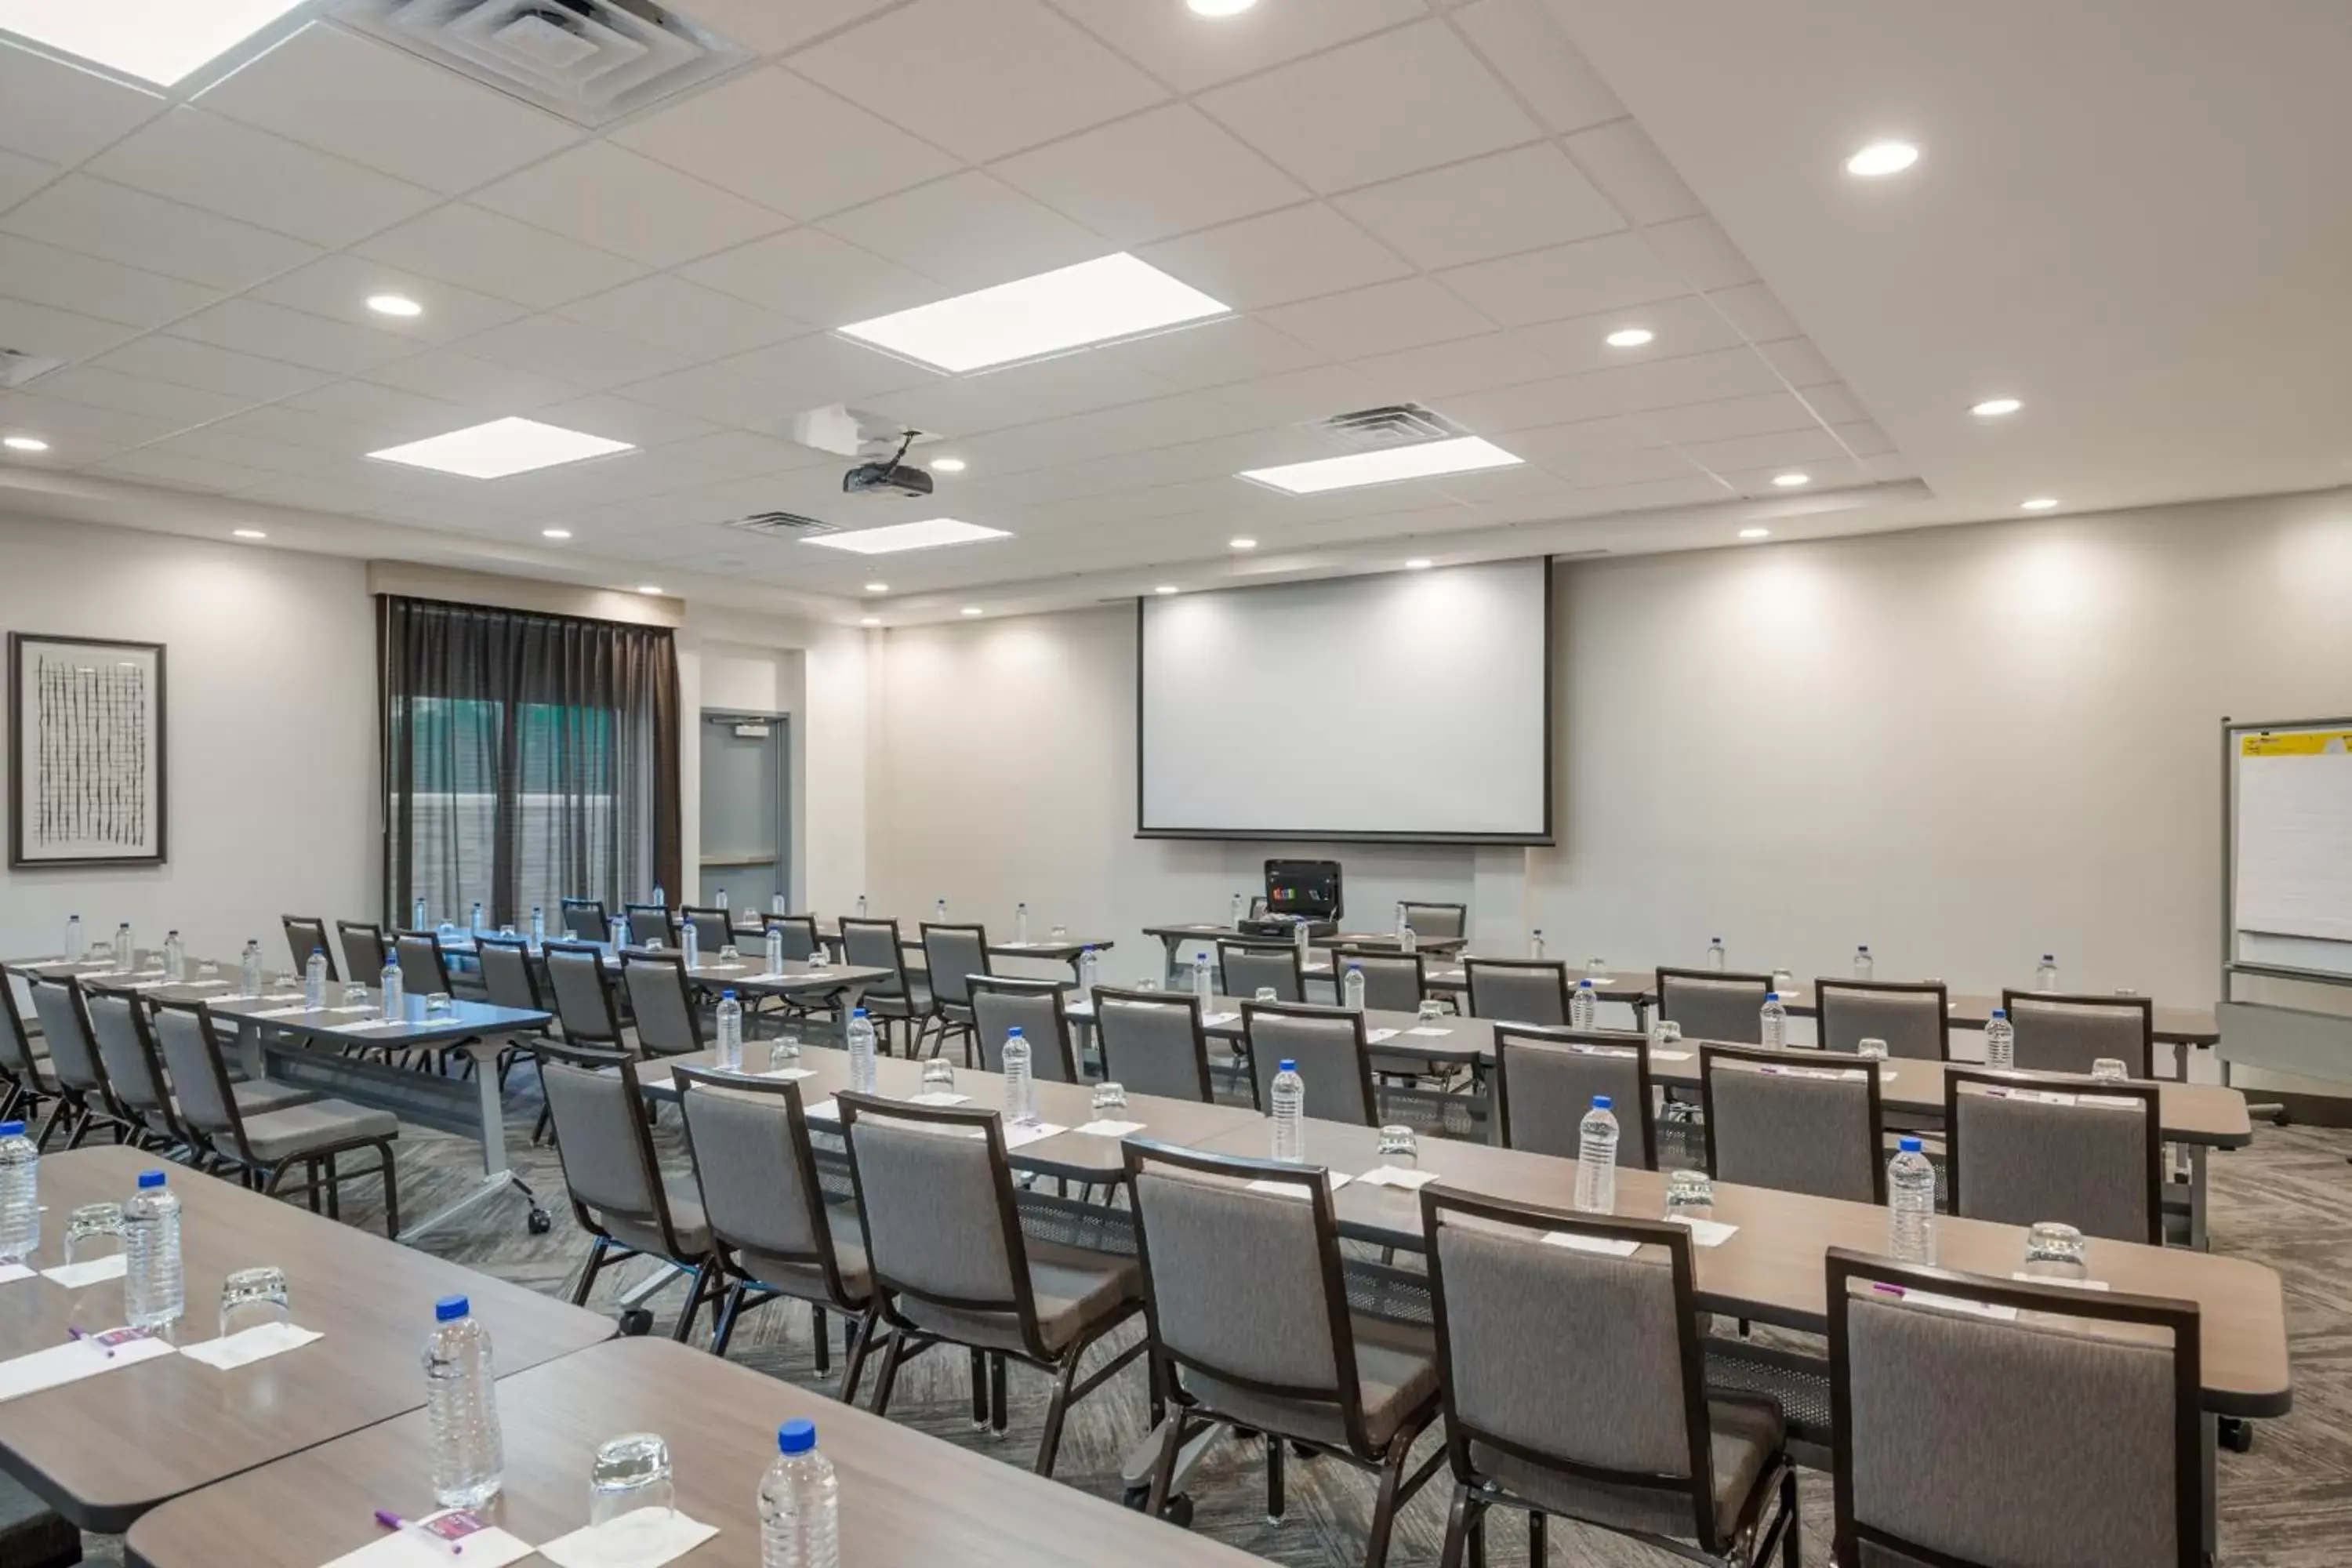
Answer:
(527, 759)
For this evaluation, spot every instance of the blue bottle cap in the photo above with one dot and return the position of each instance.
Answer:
(2001, 1012)
(796, 1436)
(1585, 985)
(12, 1129)
(150, 1179)
(1014, 1033)
(1771, 995)
(1287, 1065)
(859, 1013)
(1907, 1145)
(1599, 1102)
(450, 1308)
(1355, 968)
(727, 995)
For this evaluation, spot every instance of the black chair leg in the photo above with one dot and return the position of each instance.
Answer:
(1057, 1408)
(390, 1189)
(1535, 1539)
(996, 1419)
(1273, 1478)
(694, 1291)
(1457, 1531)
(860, 1348)
(979, 1390)
(588, 1274)
(1384, 1506)
(886, 1379)
(820, 1342)
(723, 1332)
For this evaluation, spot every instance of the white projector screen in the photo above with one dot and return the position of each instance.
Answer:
(1415, 706)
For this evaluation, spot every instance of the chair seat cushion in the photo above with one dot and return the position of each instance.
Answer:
(1396, 1374)
(1076, 1290)
(686, 1218)
(297, 1130)
(806, 1280)
(1747, 1434)
(255, 1097)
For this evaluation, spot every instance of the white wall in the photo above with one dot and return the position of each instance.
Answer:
(271, 716)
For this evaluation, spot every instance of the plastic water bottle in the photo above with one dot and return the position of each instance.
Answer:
(462, 1404)
(1911, 1204)
(314, 980)
(1020, 1087)
(154, 1293)
(20, 1194)
(1235, 911)
(776, 905)
(175, 958)
(1864, 969)
(1020, 924)
(1409, 941)
(2046, 977)
(1596, 1159)
(800, 1504)
(689, 942)
(1306, 941)
(1774, 1023)
(1289, 1103)
(1351, 988)
(248, 969)
(1584, 1005)
(661, 899)
(474, 920)
(1089, 972)
(1400, 920)
(1204, 977)
(721, 900)
(729, 1053)
(940, 911)
(538, 926)
(394, 986)
(620, 932)
(861, 1052)
(77, 940)
(2001, 1041)
(861, 904)
(775, 951)
(126, 951)
(417, 914)
(1716, 958)
(1535, 943)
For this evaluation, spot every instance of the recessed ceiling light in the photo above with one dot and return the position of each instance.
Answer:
(500, 448)
(155, 40)
(1165, 588)
(1219, 8)
(2039, 503)
(1418, 563)
(1755, 533)
(1790, 481)
(25, 444)
(647, 588)
(1241, 545)
(1631, 337)
(871, 621)
(394, 305)
(1462, 454)
(248, 534)
(1882, 158)
(971, 609)
(1114, 296)
(555, 534)
(928, 534)
(1994, 407)
(947, 464)
(878, 587)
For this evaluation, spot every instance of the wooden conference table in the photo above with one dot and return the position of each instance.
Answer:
(907, 1500)
(105, 1450)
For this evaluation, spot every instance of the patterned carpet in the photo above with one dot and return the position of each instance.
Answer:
(2287, 1504)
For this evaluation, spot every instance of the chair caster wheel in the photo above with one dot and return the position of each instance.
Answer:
(541, 1222)
(636, 1322)
(1179, 1512)
(2236, 1435)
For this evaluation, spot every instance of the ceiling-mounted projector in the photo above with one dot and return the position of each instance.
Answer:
(892, 474)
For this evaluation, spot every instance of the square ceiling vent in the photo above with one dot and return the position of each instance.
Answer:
(589, 60)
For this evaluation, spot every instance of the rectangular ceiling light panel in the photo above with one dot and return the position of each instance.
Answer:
(926, 535)
(155, 40)
(1423, 460)
(500, 448)
(1095, 301)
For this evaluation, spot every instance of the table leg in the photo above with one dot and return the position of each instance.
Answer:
(2209, 1426)
(496, 1175)
(847, 999)
(248, 1051)
(1169, 945)
(2197, 1154)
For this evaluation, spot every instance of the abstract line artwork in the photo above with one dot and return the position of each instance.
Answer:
(86, 771)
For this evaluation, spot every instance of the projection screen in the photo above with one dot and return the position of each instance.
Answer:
(1409, 707)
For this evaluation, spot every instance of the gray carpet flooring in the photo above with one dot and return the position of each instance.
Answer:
(2287, 1504)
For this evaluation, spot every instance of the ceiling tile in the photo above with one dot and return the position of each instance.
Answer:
(1865, 439)
(1528, 49)
(1765, 413)
(291, 427)
(45, 333)
(1187, 54)
(810, 275)
(1466, 364)
(1827, 474)
(730, 135)
(1374, 109)
(1799, 362)
(766, 387)
(1563, 400)
(1752, 309)
(1629, 170)
(621, 419)
(218, 443)
(1569, 446)
(1696, 378)
(182, 471)
(1279, 257)
(1381, 318)
(223, 167)
(214, 369)
(684, 318)
(129, 226)
(20, 177)
(162, 400)
(1607, 273)
(1019, 394)
(69, 280)
(479, 384)
(1316, 393)
(1167, 171)
(478, 249)
(767, 28)
(339, 288)
(273, 331)
(984, 80)
(1216, 352)
(1834, 402)
(1699, 250)
(1683, 324)
(968, 232)
(61, 113)
(1785, 449)
(372, 104)
(565, 350)
(79, 429)
(1522, 200)
(612, 198)
(403, 415)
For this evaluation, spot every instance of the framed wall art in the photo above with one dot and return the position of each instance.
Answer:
(86, 777)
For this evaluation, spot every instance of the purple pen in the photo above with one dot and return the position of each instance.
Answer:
(390, 1520)
(74, 1333)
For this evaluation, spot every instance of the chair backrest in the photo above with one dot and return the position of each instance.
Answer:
(1711, 1006)
(648, 924)
(364, 949)
(584, 1001)
(17, 1063)
(132, 1071)
(1520, 990)
(1243, 1288)
(1001, 1004)
(935, 1196)
(424, 969)
(756, 1171)
(1392, 981)
(713, 928)
(508, 978)
(1914, 1017)
(1443, 922)
(799, 931)
(1792, 1121)
(1544, 1083)
(668, 1023)
(875, 944)
(2067, 1034)
(1583, 1364)
(955, 954)
(2087, 1154)
(1247, 968)
(2095, 1418)
(192, 1055)
(1151, 1042)
(585, 919)
(73, 1055)
(305, 935)
(607, 1150)
(1327, 1044)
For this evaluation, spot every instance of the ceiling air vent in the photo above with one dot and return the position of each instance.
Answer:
(588, 61)
(1398, 425)
(783, 525)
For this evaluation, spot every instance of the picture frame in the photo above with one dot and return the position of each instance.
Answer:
(87, 784)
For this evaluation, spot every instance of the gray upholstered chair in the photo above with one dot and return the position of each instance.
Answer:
(1152, 1043)
(1575, 1386)
(903, 999)
(775, 1234)
(1711, 1006)
(1544, 1082)
(84, 1103)
(509, 979)
(2067, 1034)
(134, 1072)
(663, 1004)
(423, 967)
(1250, 1326)
(1518, 990)
(1392, 981)
(1914, 1017)
(954, 954)
(1443, 923)
(951, 1265)
(585, 920)
(713, 928)
(2046, 1438)
(1333, 1058)
(1791, 1121)
(2020, 1149)
(365, 951)
(580, 987)
(799, 931)
(1247, 968)
(1001, 1004)
(649, 925)
(24, 1066)
(619, 1192)
(264, 1148)
(304, 936)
